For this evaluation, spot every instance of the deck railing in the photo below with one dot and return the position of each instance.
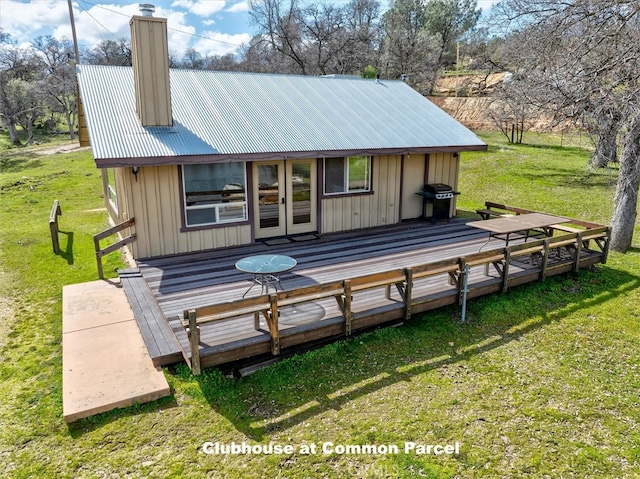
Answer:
(53, 226)
(546, 253)
(115, 246)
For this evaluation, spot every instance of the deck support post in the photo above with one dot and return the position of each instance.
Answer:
(272, 320)
(194, 341)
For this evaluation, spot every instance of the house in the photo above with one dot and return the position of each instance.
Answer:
(207, 159)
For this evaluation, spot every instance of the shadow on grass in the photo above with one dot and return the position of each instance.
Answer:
(78, 428)
(558, 148)
(19, 161)
(302, 387)
(567, 178)
(67, 253)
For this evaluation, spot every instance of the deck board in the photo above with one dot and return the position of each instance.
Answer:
(168, 286)
(158, 337)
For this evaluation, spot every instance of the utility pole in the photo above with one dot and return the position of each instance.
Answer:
(457, 66)
(73, 32)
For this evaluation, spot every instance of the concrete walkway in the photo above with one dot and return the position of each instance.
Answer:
(105, 364)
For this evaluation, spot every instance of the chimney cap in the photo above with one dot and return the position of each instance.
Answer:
(147, 9)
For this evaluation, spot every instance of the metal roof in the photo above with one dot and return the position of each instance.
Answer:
(232, 116)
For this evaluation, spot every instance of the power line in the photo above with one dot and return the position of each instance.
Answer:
(168, 28)
(94, 19)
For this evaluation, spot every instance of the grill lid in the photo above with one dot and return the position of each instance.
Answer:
(437, 188)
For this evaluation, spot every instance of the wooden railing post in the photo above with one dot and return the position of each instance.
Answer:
(462, 272)
(274, 329)
(505, 269)
(545, 259)
(53, 226)
(408, 288)
(346, 307)
(194, 341)
(576, 264)
(96, 244)
(114, 247)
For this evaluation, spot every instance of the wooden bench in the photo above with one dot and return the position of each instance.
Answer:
(488, 214)
(566, 229)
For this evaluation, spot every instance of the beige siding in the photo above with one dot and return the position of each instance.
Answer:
(154, 201)
(443, 168)
(412, 182)
(364, 211)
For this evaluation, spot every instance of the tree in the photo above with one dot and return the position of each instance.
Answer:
(193, 60)
(511, 110)
(448, 21)
(280, 31)
(18, 102)
(109, 52)
(409, 50)
(581, 59)
(57, 86)
(421, 37)
(313, 38)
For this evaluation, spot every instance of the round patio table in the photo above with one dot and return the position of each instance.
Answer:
(266, 269)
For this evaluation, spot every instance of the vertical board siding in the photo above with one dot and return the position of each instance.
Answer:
(443, 168)
(412, 182)
(154, 201)
(364, 211)
(155, 204)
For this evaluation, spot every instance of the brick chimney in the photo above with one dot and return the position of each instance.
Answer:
(150, 58)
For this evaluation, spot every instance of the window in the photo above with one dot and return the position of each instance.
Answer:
(347, 175)
(111, 189)
(214, 193)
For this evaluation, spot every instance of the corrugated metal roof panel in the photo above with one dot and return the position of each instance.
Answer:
(231, 114)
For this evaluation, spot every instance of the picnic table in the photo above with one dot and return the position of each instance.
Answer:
(504, 227)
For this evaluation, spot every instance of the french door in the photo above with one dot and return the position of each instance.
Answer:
(285, 197)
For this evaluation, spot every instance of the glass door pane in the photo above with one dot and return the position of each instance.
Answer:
(301, 196)
(301, 193)
(269, 195)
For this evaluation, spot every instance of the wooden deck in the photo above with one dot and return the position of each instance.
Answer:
(163, 289)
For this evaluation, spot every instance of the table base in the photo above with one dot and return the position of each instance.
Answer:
(264, 280)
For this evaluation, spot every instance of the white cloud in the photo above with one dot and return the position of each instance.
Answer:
(182, 4)
(220, 43)
(100, 22)
(239, 7)
(207, 8)
(24, 21)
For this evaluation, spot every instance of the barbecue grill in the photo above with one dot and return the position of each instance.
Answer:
(439, 195)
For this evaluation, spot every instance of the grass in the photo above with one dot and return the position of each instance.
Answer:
(540, 382)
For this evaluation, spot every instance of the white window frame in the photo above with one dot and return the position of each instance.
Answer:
(217, 207)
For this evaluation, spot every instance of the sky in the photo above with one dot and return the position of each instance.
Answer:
(211, 27)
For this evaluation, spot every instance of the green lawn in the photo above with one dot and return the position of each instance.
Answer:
(543, 381)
